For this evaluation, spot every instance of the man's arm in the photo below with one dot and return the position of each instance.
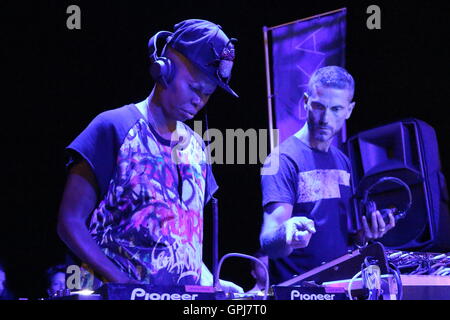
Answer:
(78, 201)
(281, 233)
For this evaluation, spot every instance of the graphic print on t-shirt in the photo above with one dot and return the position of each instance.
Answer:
(321, 184)
(144, 224)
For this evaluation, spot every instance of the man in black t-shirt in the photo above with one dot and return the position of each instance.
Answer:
(307, 201)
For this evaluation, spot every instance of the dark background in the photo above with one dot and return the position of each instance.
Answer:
(57, 80)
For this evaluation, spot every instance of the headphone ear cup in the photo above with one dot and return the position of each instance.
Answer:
(169, 71)
(162, 71)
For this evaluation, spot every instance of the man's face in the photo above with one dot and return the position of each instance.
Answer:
(188, 92)
(327, 110)
(57, 282)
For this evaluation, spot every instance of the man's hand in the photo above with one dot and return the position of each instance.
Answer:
(378, 227)
(281, 233)
(206, 279)
(299, 231)
(230, 287)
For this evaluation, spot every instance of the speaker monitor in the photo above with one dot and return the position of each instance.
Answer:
(406, 150)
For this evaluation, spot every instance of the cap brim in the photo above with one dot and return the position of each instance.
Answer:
(228, 89)
(207, 72)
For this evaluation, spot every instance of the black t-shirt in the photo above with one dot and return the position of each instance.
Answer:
(317, 185)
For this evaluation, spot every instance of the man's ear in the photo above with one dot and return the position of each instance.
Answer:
(305, 100)
(350, 109)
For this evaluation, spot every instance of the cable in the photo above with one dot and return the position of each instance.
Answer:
(398, 280)
(443, 272)
(245, 256)
(214, 203)
(349, 289)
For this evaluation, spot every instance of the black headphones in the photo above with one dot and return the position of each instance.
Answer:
(162, 69)
(370, 206)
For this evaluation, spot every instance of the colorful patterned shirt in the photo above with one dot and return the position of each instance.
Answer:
(149, 220)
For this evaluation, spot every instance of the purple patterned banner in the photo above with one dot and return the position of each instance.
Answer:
(298, 49)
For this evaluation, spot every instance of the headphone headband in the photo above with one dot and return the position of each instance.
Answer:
(395, 180)
(153, 44)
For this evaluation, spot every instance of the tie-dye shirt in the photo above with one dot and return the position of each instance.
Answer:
(149, 220)
(317, 185)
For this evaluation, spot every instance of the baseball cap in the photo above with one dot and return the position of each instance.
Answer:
(207, 47)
